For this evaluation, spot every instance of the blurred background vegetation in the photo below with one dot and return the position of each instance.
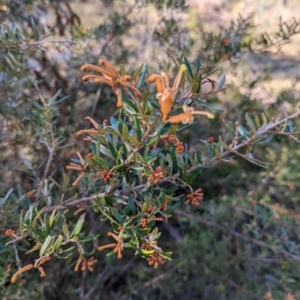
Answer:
(243, 241)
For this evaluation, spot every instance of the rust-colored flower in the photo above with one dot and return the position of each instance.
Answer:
(106, 175)
(164, 205)
(179, 147)
(188, 115)
(85, 264)
(156, 176)
(195, 197)
(78, 167)
(111, 77)
(155, 259)
(144, 222)
(10, 233)
(118, 247)
(290, 296)
(166, 94)
(211, 140)
(37, 265)
(30, 194)
(95, 130)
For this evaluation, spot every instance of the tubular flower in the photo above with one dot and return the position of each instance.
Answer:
(95, 130)
(81, 168)
(118, 247)
(156, 176)
(165, 95)
(188, 115)
(110, 77)
(85, 264)
(37, 265)
(194, 198)
(155, 259)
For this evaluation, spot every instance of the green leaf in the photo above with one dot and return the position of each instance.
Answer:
(34, 29)
(106, 152)
(137, 128)
(102, 162)
(171, 209)
(209, 106)
(117, 215)
(152, 140)
(174, 159)
(133, 140)
(195, 83)
(198, 65)
(36, 247)
(129, 106)
(194, 175)
(218, 154)
(47, 226)
(142, 76)
(122, 70)
(114, 124)
(146, 252)
(108, 200)
(250, 122)
(118, 159)
(221, 82)
(46, 245)
(243, 132)
(57, 243)
(125, 132)
(223, 144)
(190, 72)
(78, 227)
(131, 205)
(153, 154)
(52, 218)
(65, 229)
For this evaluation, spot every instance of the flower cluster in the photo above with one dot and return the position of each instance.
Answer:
(111, 77)
(179, 146)
(85, 264)
(195, 197)
(166, 95)
(156, 175)
(37, 265)
(78, 167)
(118, 247)
(106, 175)
(10, 233)
(155, 259)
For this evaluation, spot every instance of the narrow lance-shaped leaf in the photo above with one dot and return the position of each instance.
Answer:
(250, 122)
(46, 245)
(57, 243)
(137, 128)
(142, 76)
(125, 132)
(78, 227)
(34, 29)
(190, 72)
(221, 82)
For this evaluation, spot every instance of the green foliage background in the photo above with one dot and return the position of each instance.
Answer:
(240, 243)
